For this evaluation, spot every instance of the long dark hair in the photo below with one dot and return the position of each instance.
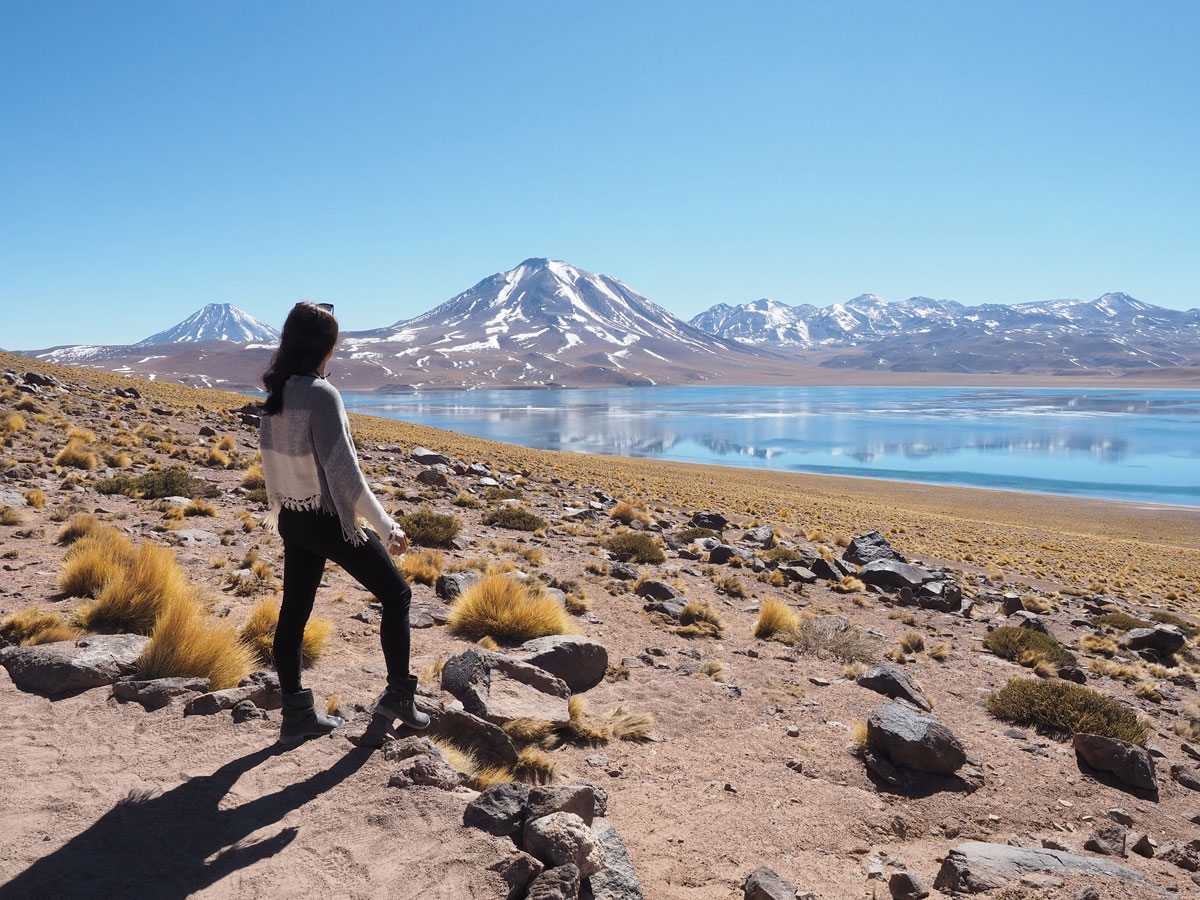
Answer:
(309, 333)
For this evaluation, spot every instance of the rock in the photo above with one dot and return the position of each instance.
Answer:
(616, 879)
(906, 886)
(1142, 844)
(828, 569)
(1088, 893)
(196, 536)
(1128, 762)
(653, 589)
(427, 457)
(764, 884)
(426, 615)
(578, 798)
(562, 838)
(478, 470)
(449, 585)
(890, 573)
(427, 770)
(1023, 618)
(1164, 639)
(1120, 816)
(891, 682)
(246, 711)
(1185, 854)
(559, 883)
(943, 595)
(499, 688)
(723, 553)
(41, 380)
(65, 667)
(624, 571)
(260, 688)
(715, 521)
(499, 810)
(518, 869)
(1108, 840)
(158, 692)
(1011, 603)
(15, 499)
(433, 478)
(1186, 776)
(763, 535)
(579, 661)
(914, 741)
(975, 866)
(869, 547)
(796, 573)
(465, 730)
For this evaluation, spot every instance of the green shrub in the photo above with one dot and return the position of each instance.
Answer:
(1066, 708)
(783, 554)
(687, 535)
(636, 546)
(1169, 618)
(515, 517)
(1013, 643)
(172, 482)
(502, 493)
(429, 529)
(1121, 621)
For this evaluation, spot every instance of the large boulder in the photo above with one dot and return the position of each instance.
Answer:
(893, 574)
(712, 520)
(941, 594)
(1164, 639)
(723, 553)
(499, 688)
(449, 585)
(975, 867)
(869, 547)
(1130, 763)
(616, 879)
(454, 724)
(427, 457)
(579, 661)
(65, 667)
(915, 741)
(499, 810)
(561, 838)
(578, 798)
(559, 883)
(891, 682)
(763, 535)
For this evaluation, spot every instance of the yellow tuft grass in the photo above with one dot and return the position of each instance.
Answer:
(939, 651)
(36, 498)
(254, 478)
(141, 590)
(714, 669)
(912, 642)
(225, 443)
(216, 458)
(487, 642)
(83, 435)
(534, 766)
(12, 423)
(1097, 643)
(76, 456)
(848, 585)
(258, 633)
(32, 626)
(775, 618)
(10, 515)
(507, 610)
(627, 514)
(581, 728)
(854, 669)
(859, 736)
(525, 730)
(423, 566)
(185, 643)
(94, 559)
(630, 726)
(198, 507)
(699, 619)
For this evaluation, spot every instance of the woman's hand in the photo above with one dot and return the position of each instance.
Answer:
(397, 543)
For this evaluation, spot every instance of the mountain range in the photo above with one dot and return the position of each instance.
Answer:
(547, 323)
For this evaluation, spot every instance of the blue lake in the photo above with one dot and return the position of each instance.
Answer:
(1120, 444)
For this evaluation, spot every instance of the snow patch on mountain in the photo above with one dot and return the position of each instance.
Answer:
(215, 322)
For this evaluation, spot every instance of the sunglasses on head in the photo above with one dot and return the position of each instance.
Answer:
(328, 307)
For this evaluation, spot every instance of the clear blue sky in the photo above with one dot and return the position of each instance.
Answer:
(156, 156)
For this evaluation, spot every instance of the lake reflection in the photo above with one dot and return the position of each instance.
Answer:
(1133, 445)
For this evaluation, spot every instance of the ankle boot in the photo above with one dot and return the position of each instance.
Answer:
(397, 702)
(301, 720)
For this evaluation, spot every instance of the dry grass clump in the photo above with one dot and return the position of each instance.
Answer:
(171, 482)
(630, 726)
(695, 533)
(1035, 604)
(714, 669)
(832, 636)
(32, 626)
(1147, 691)
(577, 601)
(507, 610)
(29, 405)
(627, 514)
(258, 633)
(198, 507)
(36, 498)
(216, 458)
(939, 651)
(859, 735)
(465, 501)
(1169, 618)
(184, 643)
(1130, 674)
(516, 518)
(635, 547)
(699, 619)
(912, 642)
(1026, 646)
(1121, 621)
(425, 528)
(525, 730)
(1066, 708)
(254, 480)
(144, 586)
(581, 728)
(75, 455)
(731, 585)
(423, 567)
(10, 515)
(848, 585)
(118, 459)
(487, 642)
(12, 423)
(534, 766)
(94, 559)
(83, 435)
(775, 618)
(1098, 643)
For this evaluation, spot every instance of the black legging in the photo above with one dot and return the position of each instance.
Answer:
(310, 538)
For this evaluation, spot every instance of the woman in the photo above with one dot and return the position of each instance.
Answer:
(317, 494)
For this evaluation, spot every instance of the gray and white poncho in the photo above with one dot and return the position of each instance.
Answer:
(309, 462)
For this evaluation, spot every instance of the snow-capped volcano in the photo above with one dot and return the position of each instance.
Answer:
(763, 321)
(545, 321)
(215, 322)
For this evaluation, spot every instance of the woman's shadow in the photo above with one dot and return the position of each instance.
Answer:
(169, 846)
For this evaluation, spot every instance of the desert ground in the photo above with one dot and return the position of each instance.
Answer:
(749, 745)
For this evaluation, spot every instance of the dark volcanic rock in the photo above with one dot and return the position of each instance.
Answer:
(723, 553)
(500, 688)
(451, 584)
(1161, 639)
(764, 884)
(890, 573)
(499, 810)
(1186, 776)
(1128, 762)
(869, 547)
(915, 741)
(579, 661)
(715, 521)
(891, 682)
(64, 667)
(616, 880)
(559, 883)
(906, 886)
